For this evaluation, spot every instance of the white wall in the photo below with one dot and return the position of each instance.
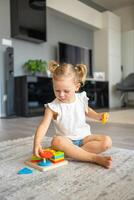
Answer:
(127, 25)
(128, 52)
(127, 18)
(78, 11)
(107, 52)
(128, 57)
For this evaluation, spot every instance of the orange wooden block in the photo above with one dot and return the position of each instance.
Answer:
(56, 161)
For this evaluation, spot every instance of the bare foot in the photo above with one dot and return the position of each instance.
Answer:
(105, 161)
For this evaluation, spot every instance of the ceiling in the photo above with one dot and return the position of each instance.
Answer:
(103, 5)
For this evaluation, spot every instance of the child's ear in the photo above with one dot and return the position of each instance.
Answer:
(77, 87)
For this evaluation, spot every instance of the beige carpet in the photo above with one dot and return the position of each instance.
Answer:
(75, 181)
(122, 116)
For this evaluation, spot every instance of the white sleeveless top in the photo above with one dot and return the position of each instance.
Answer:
(71, 119)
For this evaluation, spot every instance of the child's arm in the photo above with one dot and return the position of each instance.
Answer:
(41, 131)
(94, 115)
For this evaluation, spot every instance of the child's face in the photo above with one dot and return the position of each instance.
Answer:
(65, 88)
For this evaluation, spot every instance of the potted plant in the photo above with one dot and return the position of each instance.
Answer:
(35, 66)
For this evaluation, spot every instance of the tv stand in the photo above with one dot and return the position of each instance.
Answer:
(32, 92)
(97, 92)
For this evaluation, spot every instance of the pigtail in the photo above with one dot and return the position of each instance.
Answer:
(52, 66)
(81, 72)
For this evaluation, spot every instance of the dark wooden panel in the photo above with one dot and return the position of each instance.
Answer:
(31, 93)
(97, 92)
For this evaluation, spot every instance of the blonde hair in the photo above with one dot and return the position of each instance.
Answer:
(57, 70)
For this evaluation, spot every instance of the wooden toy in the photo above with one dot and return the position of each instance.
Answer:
(104, 118)
(25, 171)
(50, 159)
(46, 153)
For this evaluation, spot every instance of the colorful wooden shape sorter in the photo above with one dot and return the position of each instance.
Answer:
(50, 159)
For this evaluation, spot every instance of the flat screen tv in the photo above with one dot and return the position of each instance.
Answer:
(28, 20)
(75, 55)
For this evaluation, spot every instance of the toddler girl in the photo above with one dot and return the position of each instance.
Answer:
(69, 111)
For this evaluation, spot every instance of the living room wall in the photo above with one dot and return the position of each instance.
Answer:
(58, 29)
(127, 24)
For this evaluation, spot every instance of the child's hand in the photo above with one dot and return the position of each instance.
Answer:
(36, 150)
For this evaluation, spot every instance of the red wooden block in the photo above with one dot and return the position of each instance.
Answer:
(45, 154)
(35, 161)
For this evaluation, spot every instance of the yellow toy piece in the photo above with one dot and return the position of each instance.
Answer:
(104, 118)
